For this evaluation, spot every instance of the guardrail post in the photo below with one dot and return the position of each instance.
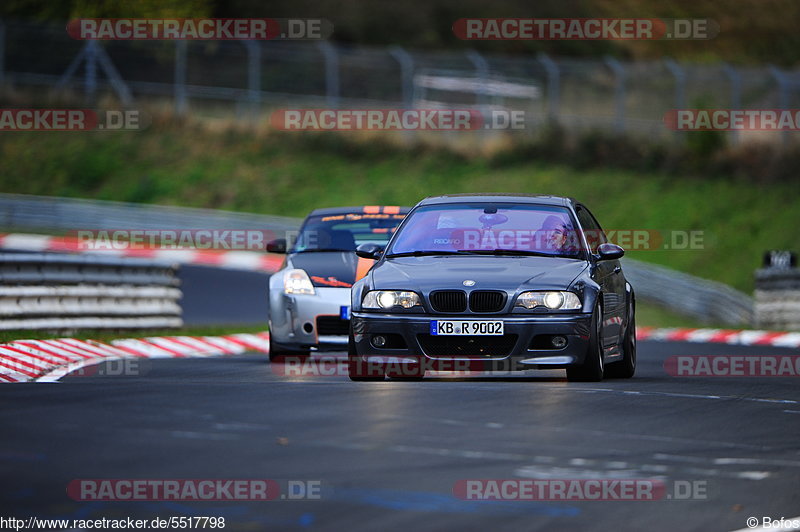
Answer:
(619, 92)
(736, 93)
(406, 74)
(553, 85)
(332, 88)
(180, 77)
(783, 95)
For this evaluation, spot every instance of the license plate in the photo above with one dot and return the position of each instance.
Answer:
(344, 312)
(466, 328)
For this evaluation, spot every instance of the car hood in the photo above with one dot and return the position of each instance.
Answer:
(424, 274)
(330, 268)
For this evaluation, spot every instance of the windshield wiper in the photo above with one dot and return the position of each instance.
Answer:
(424, 253)
(516, 252)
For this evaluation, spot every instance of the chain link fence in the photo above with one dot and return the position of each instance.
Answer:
(252, 77)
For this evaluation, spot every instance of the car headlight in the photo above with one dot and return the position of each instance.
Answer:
(553, 300)
(297, 282)
(385, 299)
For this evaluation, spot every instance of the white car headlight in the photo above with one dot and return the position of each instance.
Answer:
(385, 299)
(552, 300)
(297, 282)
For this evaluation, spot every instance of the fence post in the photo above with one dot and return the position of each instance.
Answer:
(332, 89)
(253, 76)
(117, 83)
(90, 64)
(72, 68)
(736, 93)
(680, 88)
(553, 85)
(180, 77)
(619, 92)
(406, 73)
(482, 70)
(2, 53)
(680, 82)
(783, 95)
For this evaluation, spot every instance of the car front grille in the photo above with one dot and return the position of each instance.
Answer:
(471, 346)
(487, 301)
(449, 301)
(332, 325)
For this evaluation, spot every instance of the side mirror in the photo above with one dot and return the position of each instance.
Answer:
(277, 246)
(369, 251)
(609, 251)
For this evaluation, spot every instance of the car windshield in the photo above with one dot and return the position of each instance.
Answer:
(497, 228)
(344, 232)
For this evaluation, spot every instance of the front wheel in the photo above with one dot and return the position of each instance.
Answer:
(591, 370)
(625, 368)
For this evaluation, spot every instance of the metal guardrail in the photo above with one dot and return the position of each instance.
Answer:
(60, 291)
(707, 301)
(45, 213)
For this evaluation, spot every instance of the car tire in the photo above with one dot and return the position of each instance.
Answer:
(591, 370)
(625, 368)
(278, 353)
(359, 370)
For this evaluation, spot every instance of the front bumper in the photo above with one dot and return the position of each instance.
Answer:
(525, 344)
(294, 319)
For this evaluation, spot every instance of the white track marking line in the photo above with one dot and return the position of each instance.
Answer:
(688, 396)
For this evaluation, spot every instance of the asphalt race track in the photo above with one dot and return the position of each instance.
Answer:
(388, 454)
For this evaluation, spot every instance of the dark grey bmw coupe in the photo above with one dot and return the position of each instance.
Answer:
(494, 282)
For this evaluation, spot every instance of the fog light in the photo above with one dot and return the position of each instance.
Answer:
(558, 342)
(379, 341)
(307, 327)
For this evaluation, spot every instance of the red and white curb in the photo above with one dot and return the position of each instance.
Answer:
(721, 336)
(49, 360)
(241, 260)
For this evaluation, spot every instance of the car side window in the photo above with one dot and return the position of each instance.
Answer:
(594, 234)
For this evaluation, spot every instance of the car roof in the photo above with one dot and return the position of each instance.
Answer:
(537, 199)
(361, 209)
